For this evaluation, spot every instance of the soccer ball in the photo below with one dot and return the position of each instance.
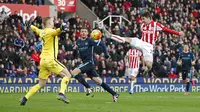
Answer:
(96, 34)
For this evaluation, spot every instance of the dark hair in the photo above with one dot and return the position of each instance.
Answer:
(147, 15)
(83, 28)
(45, 19)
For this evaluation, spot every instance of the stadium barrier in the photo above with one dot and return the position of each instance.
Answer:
(20, 85)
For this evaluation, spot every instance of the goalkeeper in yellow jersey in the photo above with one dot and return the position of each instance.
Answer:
(49, 63)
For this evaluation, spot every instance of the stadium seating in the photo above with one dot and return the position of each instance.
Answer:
(168, 12)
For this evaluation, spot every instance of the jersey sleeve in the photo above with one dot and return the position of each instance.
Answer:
(127, 54)
(161, 27)
(99, 43)
(56, 32)
(140, 54)
(35, 29)
(192, 57)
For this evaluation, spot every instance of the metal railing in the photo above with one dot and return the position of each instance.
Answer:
(110, 17)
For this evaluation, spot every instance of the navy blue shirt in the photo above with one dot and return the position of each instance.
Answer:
(86, 48)
(187, 59)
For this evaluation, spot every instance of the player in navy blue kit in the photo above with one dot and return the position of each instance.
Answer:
(186, 60)
(85, 47)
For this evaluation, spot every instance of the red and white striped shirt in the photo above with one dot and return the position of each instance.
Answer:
(133, 58)
(150, 31)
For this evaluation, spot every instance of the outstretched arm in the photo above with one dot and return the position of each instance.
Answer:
(105, 50)
(56, 32)
(160, 27)
(35, 29)
(62, 28)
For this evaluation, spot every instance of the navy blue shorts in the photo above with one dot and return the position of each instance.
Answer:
(186, 74)
(89, 69)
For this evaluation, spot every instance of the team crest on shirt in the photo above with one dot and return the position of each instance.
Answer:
(43, 33)
(86, 43)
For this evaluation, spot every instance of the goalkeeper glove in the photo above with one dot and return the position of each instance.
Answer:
(63, 27)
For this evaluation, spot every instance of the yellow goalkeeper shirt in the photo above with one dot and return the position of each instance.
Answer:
(50, 41)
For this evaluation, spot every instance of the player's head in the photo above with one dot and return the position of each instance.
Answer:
(48, 22)
(84, 32)
(186, 48)
(146, 17)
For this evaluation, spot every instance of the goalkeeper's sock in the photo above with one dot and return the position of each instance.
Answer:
(107, 88)
(82, 81)
(118, 38)
(32, 91)
(187, 86)
(64, 84)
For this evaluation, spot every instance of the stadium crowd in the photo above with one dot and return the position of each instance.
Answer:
(20, 47)
(180, 15)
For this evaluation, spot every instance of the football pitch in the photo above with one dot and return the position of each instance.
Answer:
(102, 102)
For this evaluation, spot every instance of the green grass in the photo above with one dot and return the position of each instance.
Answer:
(102, 102)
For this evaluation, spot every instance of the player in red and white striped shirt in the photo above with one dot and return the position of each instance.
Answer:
(150, 31)
(132, 60)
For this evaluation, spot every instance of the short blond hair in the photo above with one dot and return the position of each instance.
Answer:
(45, 19)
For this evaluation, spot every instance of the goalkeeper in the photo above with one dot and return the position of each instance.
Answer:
(49, 62)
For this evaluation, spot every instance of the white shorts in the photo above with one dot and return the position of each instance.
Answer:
(131, 72)
(144, 47)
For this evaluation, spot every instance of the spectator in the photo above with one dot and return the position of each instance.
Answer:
(19, 43)
(104, 74)
(177, 26)
(35, 57)
(194, 72)
(197, 66)
(72, 20)
(195, 47)
(32, 75)
(167, 63)
(3, 16)
(172, 74)
(11, 73)
(61, 15)
(2, 71)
